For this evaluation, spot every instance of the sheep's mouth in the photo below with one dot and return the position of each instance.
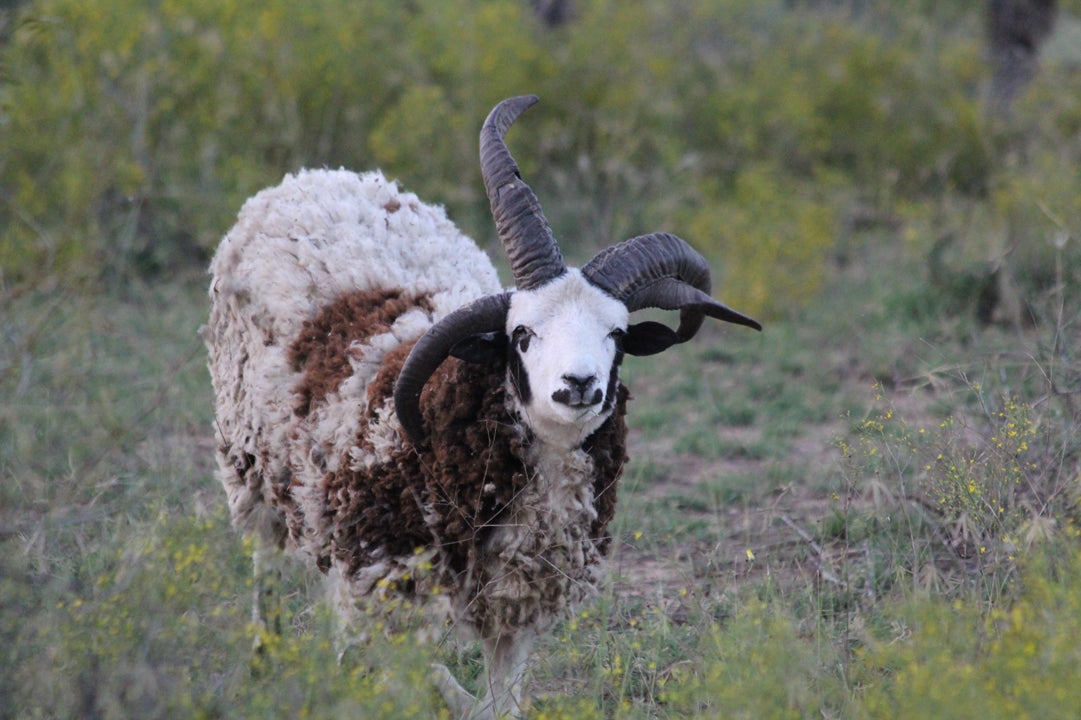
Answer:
(587, 414)
(577, 400)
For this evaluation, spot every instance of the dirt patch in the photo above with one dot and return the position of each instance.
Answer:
(773, 532)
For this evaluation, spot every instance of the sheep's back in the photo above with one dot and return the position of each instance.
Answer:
(320, 278)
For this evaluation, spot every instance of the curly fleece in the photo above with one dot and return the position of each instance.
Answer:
(452, 493)
(319, 293)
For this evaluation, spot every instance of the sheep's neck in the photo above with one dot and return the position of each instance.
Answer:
(543, 561)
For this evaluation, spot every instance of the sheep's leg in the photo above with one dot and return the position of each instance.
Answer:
(505, 658)
(505, 662)
(265, 607)
(458, 699)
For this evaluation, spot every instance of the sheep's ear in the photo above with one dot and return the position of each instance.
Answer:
(483, 348)
(648, 338)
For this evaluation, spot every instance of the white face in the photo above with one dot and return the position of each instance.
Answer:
(564, 357)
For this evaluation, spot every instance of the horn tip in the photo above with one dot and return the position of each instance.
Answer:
(507, 111)
(522, 101)
(727, 314)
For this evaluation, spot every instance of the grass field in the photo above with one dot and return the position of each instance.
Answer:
(869, 510)
(866, 510)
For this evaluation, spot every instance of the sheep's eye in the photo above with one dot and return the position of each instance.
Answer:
(617, 336)
(521, 337)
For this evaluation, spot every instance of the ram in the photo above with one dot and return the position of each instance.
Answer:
(387, 411)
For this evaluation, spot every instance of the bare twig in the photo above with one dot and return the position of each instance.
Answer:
(823, 559)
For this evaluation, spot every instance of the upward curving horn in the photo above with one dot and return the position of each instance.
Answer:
(662, 271)
(489, 314)
(534, 255)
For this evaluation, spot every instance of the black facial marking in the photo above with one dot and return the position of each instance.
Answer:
(618, 336)
(562, 396)
(613, 381)
(519, 377)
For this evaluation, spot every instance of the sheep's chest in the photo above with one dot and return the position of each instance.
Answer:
(540, 560)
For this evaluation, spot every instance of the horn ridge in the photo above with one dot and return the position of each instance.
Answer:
(624, 269)
(488, 314)
(527, 238)
(661, 270)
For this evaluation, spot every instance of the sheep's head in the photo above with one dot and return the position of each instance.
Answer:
(562, 333)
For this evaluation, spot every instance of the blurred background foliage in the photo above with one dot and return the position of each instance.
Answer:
(772, 135)
(851, 174)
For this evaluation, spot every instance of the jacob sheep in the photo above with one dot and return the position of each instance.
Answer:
(385, 409)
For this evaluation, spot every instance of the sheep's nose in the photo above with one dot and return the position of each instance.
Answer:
(580, 383)
(579, 391)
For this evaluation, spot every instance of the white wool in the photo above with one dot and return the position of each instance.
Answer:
(343, 232)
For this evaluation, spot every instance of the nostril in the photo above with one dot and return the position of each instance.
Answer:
(579, 391)
(580, 383)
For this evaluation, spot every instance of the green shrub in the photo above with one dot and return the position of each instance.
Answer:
(771, 246)
(1040, 211)
(758, 665)
(890, 106)
(969, 494)
(134, 132)
(953, 660)
(162, 631)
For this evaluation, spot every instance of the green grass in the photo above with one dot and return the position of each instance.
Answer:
(792, 557)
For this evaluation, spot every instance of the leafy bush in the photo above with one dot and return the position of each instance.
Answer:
(891, 108)
(770, 245)
(951, 660)
(133, 132)
(967, 493)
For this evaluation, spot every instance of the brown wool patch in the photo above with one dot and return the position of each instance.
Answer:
(383, 508)
(473, 444)
(321, 350)
(381, 387)
(377, 508)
